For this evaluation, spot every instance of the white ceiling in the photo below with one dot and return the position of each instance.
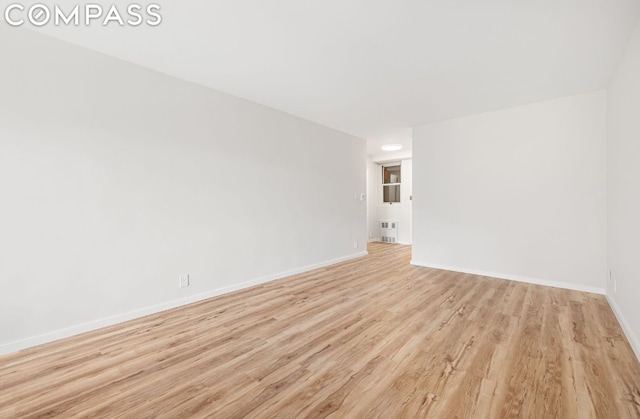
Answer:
(375, 68)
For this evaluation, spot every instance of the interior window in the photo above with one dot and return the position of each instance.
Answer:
(391, 183)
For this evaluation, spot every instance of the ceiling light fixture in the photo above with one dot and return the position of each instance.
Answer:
(391, 147)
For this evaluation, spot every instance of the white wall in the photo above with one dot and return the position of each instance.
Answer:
(380, 211)
(518, 193)
(623, 211)
(116, 179)
(373, 176)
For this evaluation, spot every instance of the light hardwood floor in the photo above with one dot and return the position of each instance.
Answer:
(369, 338)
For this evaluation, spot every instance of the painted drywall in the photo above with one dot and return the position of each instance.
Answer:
(373, 228)
(386, 156)
(116, 179)
(518, 193)
(380, 211)
(623, 186)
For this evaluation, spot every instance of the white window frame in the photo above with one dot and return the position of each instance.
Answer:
(399, 184)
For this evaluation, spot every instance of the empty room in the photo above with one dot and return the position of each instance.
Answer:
(346, 209)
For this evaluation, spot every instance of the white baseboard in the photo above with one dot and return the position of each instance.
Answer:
(120, 318)
(518, 278)
(377, 240)
(631, 337)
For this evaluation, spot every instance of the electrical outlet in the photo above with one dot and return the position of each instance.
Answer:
(355, 245)
(184, 281)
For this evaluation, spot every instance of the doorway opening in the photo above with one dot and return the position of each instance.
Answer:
(389, 202)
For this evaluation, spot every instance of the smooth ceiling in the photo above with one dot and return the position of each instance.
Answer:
(376, 68)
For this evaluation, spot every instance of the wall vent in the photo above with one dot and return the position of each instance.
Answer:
(389, 231)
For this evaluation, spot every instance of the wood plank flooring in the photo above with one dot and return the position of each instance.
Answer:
(369, 338)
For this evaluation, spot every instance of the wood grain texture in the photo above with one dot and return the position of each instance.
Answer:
(369, 338)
